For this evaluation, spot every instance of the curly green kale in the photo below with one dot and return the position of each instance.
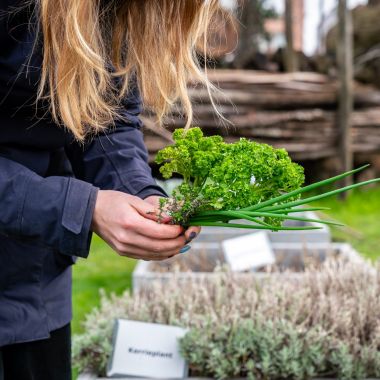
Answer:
(221, 176)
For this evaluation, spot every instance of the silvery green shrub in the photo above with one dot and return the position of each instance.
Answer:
(323, 323)
(264, 349)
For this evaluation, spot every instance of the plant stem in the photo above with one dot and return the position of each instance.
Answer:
(303, 190)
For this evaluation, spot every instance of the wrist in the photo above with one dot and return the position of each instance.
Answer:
(97, 211)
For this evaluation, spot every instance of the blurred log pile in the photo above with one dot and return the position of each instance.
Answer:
(296, 111)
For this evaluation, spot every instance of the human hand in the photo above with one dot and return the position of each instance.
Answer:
(190, 233)
(129, 225)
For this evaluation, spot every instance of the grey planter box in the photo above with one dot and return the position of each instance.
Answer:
(94, 377)
(205, 254)
(323, 235)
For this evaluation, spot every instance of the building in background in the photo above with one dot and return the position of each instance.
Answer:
(308, 16)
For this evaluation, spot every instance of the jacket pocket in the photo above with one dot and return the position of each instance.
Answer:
(22, 313)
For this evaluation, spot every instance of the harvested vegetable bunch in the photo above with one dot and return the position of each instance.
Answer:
(243, 180)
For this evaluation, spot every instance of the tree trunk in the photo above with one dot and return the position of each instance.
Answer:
(290, 54)
(249, 17)
(345, 69)
(321, 36)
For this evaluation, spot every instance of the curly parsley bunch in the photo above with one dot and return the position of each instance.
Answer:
(242, 180)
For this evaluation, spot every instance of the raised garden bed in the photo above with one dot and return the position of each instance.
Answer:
(200, 263)
(323, 325)
(93, 377)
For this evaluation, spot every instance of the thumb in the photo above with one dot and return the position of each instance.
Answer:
(147, 210)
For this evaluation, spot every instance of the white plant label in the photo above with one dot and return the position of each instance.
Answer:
(248, 252)
(147, 350)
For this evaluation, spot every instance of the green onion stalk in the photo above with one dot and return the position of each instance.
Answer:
(272, 209)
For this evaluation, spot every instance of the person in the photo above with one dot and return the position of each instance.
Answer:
(74, 76)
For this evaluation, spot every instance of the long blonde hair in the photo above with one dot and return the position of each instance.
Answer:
(153, 41)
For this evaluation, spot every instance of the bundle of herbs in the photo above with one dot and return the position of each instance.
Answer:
(245, 180)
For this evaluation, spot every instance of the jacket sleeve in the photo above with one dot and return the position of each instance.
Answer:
(117, 159)
(53, 211)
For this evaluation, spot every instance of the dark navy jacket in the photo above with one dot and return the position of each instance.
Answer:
(48, 188)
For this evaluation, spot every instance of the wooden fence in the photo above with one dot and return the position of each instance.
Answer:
(297, 111)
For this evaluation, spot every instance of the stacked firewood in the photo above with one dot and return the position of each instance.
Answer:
(296, 111)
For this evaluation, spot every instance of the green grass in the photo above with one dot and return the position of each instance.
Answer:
(103, 269)
(360, 212)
